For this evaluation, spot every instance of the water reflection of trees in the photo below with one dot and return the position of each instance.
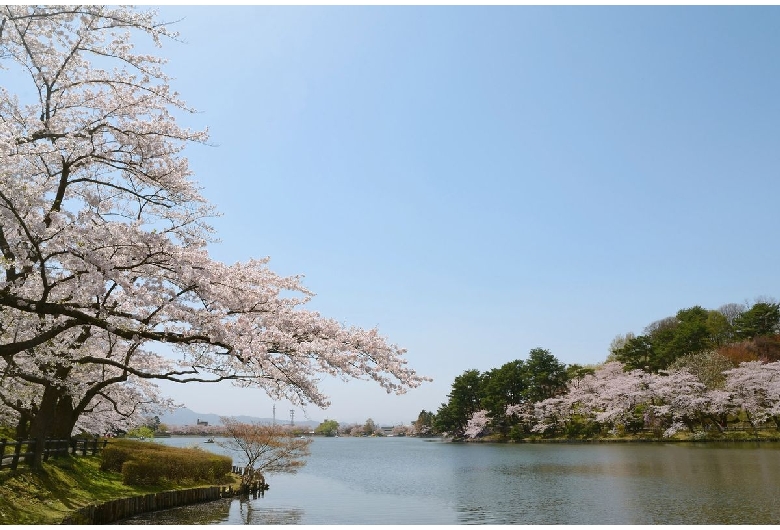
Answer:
(250, 513)
(244, 511)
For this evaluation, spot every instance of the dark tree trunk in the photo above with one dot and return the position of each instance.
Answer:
(23, 425)
(64, 419)
(41, 425)
(719, 422)
(54, 417)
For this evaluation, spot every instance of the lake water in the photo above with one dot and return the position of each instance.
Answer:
(419, 481)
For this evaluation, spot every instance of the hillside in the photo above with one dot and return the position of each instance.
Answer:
(185, 416)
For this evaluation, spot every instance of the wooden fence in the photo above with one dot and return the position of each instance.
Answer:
(13, 453)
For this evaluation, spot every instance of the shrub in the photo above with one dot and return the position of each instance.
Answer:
(517, 433)
(142, 472)
(118, 451)
(582, 428)
(143, 463)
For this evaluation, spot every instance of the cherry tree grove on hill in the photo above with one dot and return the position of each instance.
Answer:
(104, 245)
(613, 399)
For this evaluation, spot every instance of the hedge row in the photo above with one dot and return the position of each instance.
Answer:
(119, 451)
(144, 463)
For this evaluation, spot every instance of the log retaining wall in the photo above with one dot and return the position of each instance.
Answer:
(111, 511)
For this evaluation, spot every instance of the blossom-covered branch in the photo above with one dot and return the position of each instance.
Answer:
(103, 229)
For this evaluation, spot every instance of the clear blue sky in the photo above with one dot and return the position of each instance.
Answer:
(478, 182)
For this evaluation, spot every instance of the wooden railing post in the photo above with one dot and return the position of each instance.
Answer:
(25, 450)
(17, 450)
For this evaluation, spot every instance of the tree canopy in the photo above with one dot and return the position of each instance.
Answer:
(697, 330)
(265, 448)
(327, 428)
(491, 393)
(104, 238)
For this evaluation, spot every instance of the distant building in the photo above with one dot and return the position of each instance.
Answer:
(204, 423)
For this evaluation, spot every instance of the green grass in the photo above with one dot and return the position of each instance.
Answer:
(48, 495)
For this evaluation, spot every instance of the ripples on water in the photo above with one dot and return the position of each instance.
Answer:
(414, 481)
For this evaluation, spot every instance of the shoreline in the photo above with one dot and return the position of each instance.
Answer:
(109, 512)
(488, 439)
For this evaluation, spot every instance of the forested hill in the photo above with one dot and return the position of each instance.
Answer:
(701, 370)
(734, 331)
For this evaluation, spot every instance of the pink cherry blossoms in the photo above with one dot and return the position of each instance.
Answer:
(104, 240)
(612, 400)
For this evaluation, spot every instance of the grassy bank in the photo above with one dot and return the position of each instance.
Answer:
(47, 495)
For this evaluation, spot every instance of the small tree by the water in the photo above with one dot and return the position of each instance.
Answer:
(327, 428)
(143, 432)
(267, 448)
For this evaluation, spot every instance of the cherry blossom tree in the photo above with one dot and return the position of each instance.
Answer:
(403, 430)
(523, 413)
(612, 394)
(551, 414)
(756, 388)
(719, 407)
(685, 400)
(104, 239)
(680, 396)
(669, 401)
(477, 424)
(610, 397)
(96, 399)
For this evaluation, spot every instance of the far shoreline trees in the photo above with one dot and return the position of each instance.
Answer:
(327, 428)
(520, 381)
(700, 370)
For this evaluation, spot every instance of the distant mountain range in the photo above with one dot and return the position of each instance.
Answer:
(185, 416)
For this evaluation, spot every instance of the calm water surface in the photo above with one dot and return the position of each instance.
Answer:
(416, 481)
